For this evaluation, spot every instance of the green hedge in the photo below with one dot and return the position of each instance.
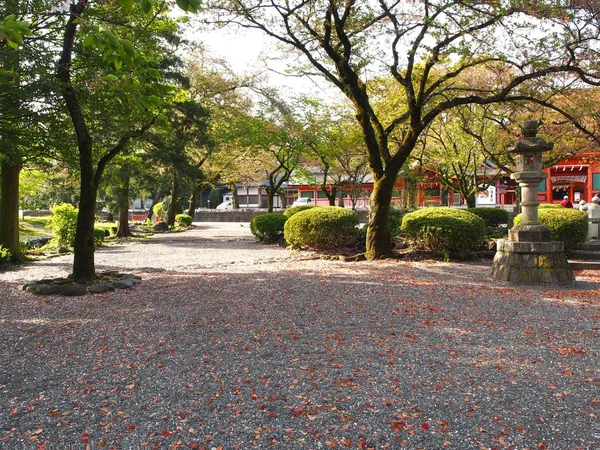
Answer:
(268, 227)
(296, 209)
(64, 224)
(183, 220)
(445, 231)
(321, 228)
(565, 224)
(492, 217)
(99, 234)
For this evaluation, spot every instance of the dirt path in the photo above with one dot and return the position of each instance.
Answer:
(206, 245)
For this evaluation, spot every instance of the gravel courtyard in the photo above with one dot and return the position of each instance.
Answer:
(230, 344)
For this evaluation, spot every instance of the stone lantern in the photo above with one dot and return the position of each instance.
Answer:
(529, 256)
(528, 151)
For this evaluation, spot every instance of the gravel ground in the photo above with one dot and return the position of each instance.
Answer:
(229, 344)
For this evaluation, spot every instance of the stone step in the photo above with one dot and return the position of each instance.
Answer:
(593, 245)
(584, 255)
(586, 258)
(584, 265)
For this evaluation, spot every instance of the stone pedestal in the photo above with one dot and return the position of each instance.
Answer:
(529, 233)
(531, 263)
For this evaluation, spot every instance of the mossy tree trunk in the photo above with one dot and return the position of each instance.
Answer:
(378, 242)
(9, 210)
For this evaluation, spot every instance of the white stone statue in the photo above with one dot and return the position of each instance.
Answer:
(593, 212)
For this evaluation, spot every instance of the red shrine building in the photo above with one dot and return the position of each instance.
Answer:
(577, 177)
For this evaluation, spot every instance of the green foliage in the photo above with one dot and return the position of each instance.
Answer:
(64, 224)
(5, 255)
(99, 234)
(183, 220)
(321, 228)
(565, 224)
(12, 31)
(296, 209)
(268, 227)
(446, 231)
(550, 206)
(395, 221)
(492, 216)
(159, 209)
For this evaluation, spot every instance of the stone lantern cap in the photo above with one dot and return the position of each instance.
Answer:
(529, 142)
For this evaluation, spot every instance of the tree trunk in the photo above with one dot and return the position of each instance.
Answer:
(379, 244)
(174, 204)
(341, 199)
(284, 199)
(83, 259)
(270, 197)
(9, 211)
(11, 167)
(150, 211)
(235, 198)
(470, 201)
(445, 197)
(192, 202)
(123, 227)
(331, 195)
(410, 193)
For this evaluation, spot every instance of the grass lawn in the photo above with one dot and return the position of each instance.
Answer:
(32, 227)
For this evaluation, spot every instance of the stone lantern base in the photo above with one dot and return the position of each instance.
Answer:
(531, 263)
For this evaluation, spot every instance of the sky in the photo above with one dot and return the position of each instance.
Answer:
(245, 49)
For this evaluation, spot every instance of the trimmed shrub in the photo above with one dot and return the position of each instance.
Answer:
(492, 217)
(183, 220)
(159, 209)
(296, 209)
(445, 231)
(5, 255)
(64, 224)
(550, 206)
(322, 228)
(268, 227)
(99, 234)
(565, 224)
